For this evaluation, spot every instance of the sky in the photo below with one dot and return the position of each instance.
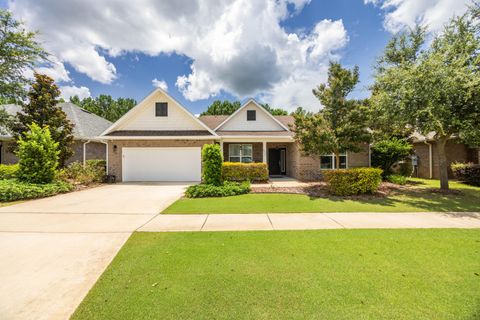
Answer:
(275, 51)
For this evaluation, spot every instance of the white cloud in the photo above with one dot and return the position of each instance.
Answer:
(407, 13)
(162, 84)
(70, 91)
(55, 70)
(236, 46)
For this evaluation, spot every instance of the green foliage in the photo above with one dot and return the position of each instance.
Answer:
(12, 190)
(105, 106)
(8, 171)
(226, 190)
(19, 51)
(77, 173)
(386, 153)
(397, 179)
(275, 111)
(225, 107)
(38, 156)
(346, 182)
(237, 171)
(5, 121)
(43, 110)
(212, 160)
(341, 125)
(468, 173)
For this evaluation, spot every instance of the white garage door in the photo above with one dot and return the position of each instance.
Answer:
(161, 164)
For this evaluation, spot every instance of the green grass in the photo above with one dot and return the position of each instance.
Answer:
(4, 204)
(420, 198)
(330, 274)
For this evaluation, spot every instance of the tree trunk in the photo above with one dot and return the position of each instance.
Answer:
(337, 161)
(442, 163)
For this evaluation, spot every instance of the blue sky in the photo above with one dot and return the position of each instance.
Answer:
(228, 52)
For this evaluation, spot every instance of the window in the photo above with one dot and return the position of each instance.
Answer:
(251, 115)
(240, 153)
(161, 109)
(328, 161)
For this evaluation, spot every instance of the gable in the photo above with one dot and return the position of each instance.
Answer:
(143, 117)
(263, 122)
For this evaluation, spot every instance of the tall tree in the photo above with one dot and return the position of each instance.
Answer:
(437, 90)
(43, 109)
(341, 125)
(105, 106)
(218, 108)
(275, 111)
(19, 51)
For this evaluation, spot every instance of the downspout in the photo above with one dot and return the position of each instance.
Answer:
(85, 151)
(369, 155)
(430, 159)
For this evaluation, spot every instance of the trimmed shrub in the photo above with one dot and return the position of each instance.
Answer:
(397, 179)
(12, 190)
(8, 171)
(468, 173)
(237, 171)
(346, 182)
(77, 173)
(386, 153)
(38, 156)
(212, 164)
(225, 190)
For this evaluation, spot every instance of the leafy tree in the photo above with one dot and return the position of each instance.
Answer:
(275, 111)
(38, 155)
(5, 121)
(218, 108)
(435, 90)
(43, 109)
(212, 164)
(19, 51)
(386, 153)
(105, 106)
(341, 125)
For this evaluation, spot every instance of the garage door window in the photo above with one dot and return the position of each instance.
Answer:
(240, 153)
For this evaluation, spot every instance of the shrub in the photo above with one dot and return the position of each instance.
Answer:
(208, 190)
(345, 182)
(12, 190)
(8, 171)
(38, 156)
(386, 153)
(212, 164)
(397, 179)
(236, 171)
(76, 172)
(468, 173)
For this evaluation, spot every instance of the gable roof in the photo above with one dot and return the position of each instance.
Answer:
(142, 104)
(251, 100)
(214, 121)
(86, 125)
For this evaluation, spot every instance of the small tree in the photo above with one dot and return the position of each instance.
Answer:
(38, 155)
(386, 153)
(212, 164)
(341, 125)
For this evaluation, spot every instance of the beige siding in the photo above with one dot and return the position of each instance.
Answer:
(263, 122)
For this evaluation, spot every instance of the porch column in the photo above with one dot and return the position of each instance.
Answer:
(221, 147)
(264, 151)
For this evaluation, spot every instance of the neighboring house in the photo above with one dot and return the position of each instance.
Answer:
(87, 128)
(425, 148)
(159, 140)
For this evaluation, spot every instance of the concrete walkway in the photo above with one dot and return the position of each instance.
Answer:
(310, 221)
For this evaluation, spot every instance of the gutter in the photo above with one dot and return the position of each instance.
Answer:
(85, 151)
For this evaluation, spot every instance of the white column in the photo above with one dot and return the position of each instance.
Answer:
(221, 148)
(264, 153)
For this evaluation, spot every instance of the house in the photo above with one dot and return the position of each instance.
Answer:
(159, 140)
(425, 148)
(87, 128)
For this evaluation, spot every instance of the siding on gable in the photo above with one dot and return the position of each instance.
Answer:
(263, 123)
(145, 119)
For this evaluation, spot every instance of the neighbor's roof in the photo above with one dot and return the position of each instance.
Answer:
(214, 121)
(86, 124)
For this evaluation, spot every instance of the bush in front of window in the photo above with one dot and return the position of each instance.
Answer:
(226, 190)
(348, 182)
(212, 164)
(237, 171)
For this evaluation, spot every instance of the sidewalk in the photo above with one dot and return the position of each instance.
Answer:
(311, 221)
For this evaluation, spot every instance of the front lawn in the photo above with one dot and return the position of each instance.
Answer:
(329, 274)
(419, 197)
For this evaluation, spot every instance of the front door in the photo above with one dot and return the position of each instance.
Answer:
(277, 161)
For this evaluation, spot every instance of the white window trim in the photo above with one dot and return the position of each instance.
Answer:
(241, 151)
(333, 160)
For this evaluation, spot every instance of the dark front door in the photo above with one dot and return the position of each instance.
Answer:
(277, 161)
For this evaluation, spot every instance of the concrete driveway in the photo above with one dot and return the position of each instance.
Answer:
(53, 250)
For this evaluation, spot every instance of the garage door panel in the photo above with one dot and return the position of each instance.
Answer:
(161, 164)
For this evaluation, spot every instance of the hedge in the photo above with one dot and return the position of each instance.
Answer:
(212, 164)
(468, 173)
(346, 182)
(12, 190)
(8, 171)
(77, 173)
(237, 171)
(225, 190)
